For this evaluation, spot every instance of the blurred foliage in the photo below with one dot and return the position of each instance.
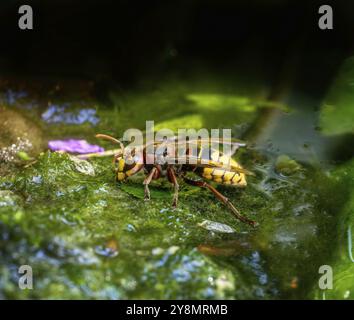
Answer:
(343, 258)
(337, 112)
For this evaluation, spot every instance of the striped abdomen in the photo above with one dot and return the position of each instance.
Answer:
(220, 175)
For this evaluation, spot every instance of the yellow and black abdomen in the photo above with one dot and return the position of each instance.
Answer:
(223, 176)
(220, 175)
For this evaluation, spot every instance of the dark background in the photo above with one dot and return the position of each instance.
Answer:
(120, 41)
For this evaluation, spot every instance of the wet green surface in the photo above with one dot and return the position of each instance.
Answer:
(86, 236)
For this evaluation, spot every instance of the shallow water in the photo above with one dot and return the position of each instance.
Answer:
(85, 236)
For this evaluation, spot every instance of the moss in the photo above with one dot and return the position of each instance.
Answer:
(86, 211)
(286, 166)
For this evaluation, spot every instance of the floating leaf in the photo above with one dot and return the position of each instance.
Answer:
(216, 226)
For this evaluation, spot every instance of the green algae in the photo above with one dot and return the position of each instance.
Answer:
(61, 219)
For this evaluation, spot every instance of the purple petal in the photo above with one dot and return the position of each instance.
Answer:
(74, 146)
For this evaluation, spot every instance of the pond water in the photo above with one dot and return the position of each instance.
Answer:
(86, 236)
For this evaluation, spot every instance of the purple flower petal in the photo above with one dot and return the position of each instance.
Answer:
(74, 146)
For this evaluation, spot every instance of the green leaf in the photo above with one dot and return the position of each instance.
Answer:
(337, 111)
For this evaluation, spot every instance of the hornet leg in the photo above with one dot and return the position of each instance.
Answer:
(223, 199)
(172, 178)
(147, 182)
